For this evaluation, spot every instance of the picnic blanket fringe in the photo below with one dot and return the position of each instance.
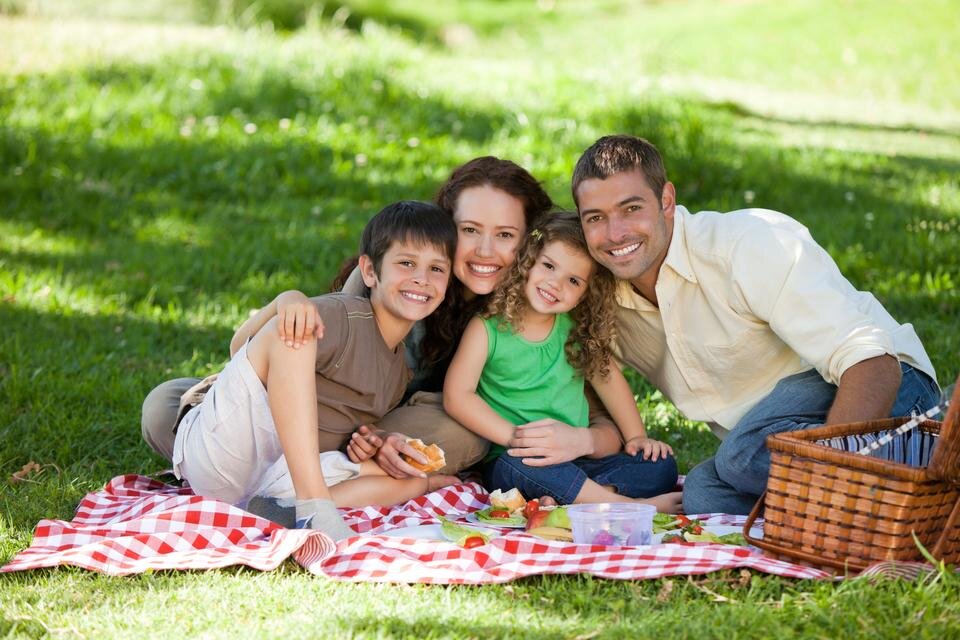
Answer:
(137, 524)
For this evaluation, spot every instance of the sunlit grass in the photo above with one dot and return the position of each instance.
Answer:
(158, 180)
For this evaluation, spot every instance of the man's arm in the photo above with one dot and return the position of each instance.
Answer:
(867, 391)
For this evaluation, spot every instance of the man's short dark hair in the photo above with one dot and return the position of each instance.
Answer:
(611, 155)
(419, 223)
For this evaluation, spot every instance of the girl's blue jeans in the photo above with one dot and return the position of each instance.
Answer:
(732, 481)
(631, 476)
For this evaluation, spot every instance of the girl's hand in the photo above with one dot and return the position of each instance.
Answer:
(652, 449)
(388, 457)
(546, 442)
(364, 444)
(297, 319)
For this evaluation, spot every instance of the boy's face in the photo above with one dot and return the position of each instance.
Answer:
(412, 282)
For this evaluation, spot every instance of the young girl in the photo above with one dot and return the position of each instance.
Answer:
(548, 327)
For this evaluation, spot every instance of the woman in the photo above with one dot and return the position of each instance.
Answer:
(493, 203)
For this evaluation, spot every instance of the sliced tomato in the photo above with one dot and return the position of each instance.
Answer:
(682, 520)
(473, 541)
(531, 508)
(499, 513)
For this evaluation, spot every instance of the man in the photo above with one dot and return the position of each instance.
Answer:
(742, 320)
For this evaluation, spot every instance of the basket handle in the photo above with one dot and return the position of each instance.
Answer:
(945, 462)
(754, 514)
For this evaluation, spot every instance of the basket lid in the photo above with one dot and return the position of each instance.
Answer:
(945, 462)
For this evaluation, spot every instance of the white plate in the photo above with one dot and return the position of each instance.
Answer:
(472, 517)
(716, 529)
(430, 532)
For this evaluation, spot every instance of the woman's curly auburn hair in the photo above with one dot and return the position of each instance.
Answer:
(588, 346)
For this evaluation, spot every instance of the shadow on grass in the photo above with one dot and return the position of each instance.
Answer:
(742, 111)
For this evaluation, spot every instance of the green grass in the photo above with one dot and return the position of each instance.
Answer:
(159, 179)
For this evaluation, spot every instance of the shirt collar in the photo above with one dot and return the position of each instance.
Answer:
(678, 256)
(677, 260)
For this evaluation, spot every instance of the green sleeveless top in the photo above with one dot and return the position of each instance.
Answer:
(525, 381)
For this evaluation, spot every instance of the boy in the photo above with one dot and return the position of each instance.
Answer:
(271, 402)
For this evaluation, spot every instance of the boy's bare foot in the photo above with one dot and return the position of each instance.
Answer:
(666, 502)
(439, 481)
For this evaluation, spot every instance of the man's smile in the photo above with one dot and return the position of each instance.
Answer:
(624, 251)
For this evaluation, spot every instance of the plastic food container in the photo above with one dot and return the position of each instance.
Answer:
(613, 524)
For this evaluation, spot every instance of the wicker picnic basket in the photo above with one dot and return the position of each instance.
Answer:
(838, 510)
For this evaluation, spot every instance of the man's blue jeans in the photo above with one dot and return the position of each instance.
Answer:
(630, 476)
(732, 481)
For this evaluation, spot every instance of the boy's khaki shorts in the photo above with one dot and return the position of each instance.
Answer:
(227, 446)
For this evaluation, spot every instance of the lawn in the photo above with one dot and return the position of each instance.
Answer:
(167, 167)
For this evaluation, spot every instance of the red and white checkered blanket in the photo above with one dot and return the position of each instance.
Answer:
(136, 523)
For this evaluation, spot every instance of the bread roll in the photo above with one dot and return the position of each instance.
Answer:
(434, 454)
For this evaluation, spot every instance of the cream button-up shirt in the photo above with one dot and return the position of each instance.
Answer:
(746, 299)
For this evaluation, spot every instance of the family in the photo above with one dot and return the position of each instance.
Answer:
(496, 327)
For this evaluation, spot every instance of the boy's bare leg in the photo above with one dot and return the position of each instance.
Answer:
(375, 487)
(665, 503)
(288, 375)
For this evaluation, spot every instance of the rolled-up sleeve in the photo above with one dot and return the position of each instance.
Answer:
(787, 280)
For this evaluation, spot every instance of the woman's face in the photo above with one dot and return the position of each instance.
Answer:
(490, 224)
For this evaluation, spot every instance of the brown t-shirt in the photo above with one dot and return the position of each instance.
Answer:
(359, 379)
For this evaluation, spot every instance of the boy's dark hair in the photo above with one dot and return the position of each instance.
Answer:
(419, 223)
(611, 155)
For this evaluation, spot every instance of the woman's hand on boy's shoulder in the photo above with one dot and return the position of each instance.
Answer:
(652, 449)
(546, 442)
(297, 319)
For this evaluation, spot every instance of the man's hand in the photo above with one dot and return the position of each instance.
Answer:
(652, 449)
(388, 457)
(546, 442)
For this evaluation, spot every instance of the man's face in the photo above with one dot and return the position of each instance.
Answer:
(412, 282)
(627, 228)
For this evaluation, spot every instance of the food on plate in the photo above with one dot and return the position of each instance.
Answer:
(552, 533)
(558, 517)
(680, 528)
(435, 456)
(668, 522)
(498, 516)
(549, 523)
(531, 508)
(512, 500)
(466, 537)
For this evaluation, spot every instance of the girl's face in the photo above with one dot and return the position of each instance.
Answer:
(558, 279)
(490, 224)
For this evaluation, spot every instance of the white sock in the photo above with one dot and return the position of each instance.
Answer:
(321, 515)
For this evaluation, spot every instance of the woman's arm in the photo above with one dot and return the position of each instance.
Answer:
(297, 322)
(460, 398)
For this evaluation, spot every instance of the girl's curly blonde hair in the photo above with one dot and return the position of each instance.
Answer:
(588, 346)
